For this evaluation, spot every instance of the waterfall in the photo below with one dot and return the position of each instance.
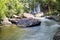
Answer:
(45, 31)
(36, 8)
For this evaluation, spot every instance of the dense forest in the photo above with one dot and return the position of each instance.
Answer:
(18, 7)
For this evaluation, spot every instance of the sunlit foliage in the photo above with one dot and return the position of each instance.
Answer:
(18, 7)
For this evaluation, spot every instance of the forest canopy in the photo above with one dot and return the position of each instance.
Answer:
(18, 7)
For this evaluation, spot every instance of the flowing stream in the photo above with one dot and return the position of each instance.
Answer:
(45, 31)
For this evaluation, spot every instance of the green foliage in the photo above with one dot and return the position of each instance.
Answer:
(10, 7)
(52, 6)
(18, 7)
(14, 7)
(2, 9)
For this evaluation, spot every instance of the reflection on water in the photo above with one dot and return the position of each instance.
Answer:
(11, 33)
(45, 31)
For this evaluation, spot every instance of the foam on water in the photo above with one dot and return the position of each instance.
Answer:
(45, 31)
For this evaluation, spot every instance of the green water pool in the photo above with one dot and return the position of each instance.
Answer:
(11, 32)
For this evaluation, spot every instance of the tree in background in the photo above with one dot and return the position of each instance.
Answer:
(51, 7)
(18, 7)
(3, 9)
(14, 7)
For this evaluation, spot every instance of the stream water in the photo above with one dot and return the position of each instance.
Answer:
(45, 31)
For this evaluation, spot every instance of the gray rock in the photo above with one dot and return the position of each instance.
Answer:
(13, 20)
(51, 18)
(28, 15)
(39, 14)
(27, 22)
(6, 22)
(57, 35)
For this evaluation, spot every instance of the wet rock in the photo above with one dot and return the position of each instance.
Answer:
(28, 15)
(28, 22)
(51, 18)
(15, 16)
(6, 22)
(39, 14)
(56, 18)
(13, 20)
(57, 35)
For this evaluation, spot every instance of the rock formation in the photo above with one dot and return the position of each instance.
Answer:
(6, 22)
(28, 15)
(39, 14)
(26, 22)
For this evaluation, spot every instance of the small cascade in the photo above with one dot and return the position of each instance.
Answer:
(36, 8)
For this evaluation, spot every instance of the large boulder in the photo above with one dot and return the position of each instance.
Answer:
(28, 22)
(28, 15)
(6, 22)
(39, 14)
